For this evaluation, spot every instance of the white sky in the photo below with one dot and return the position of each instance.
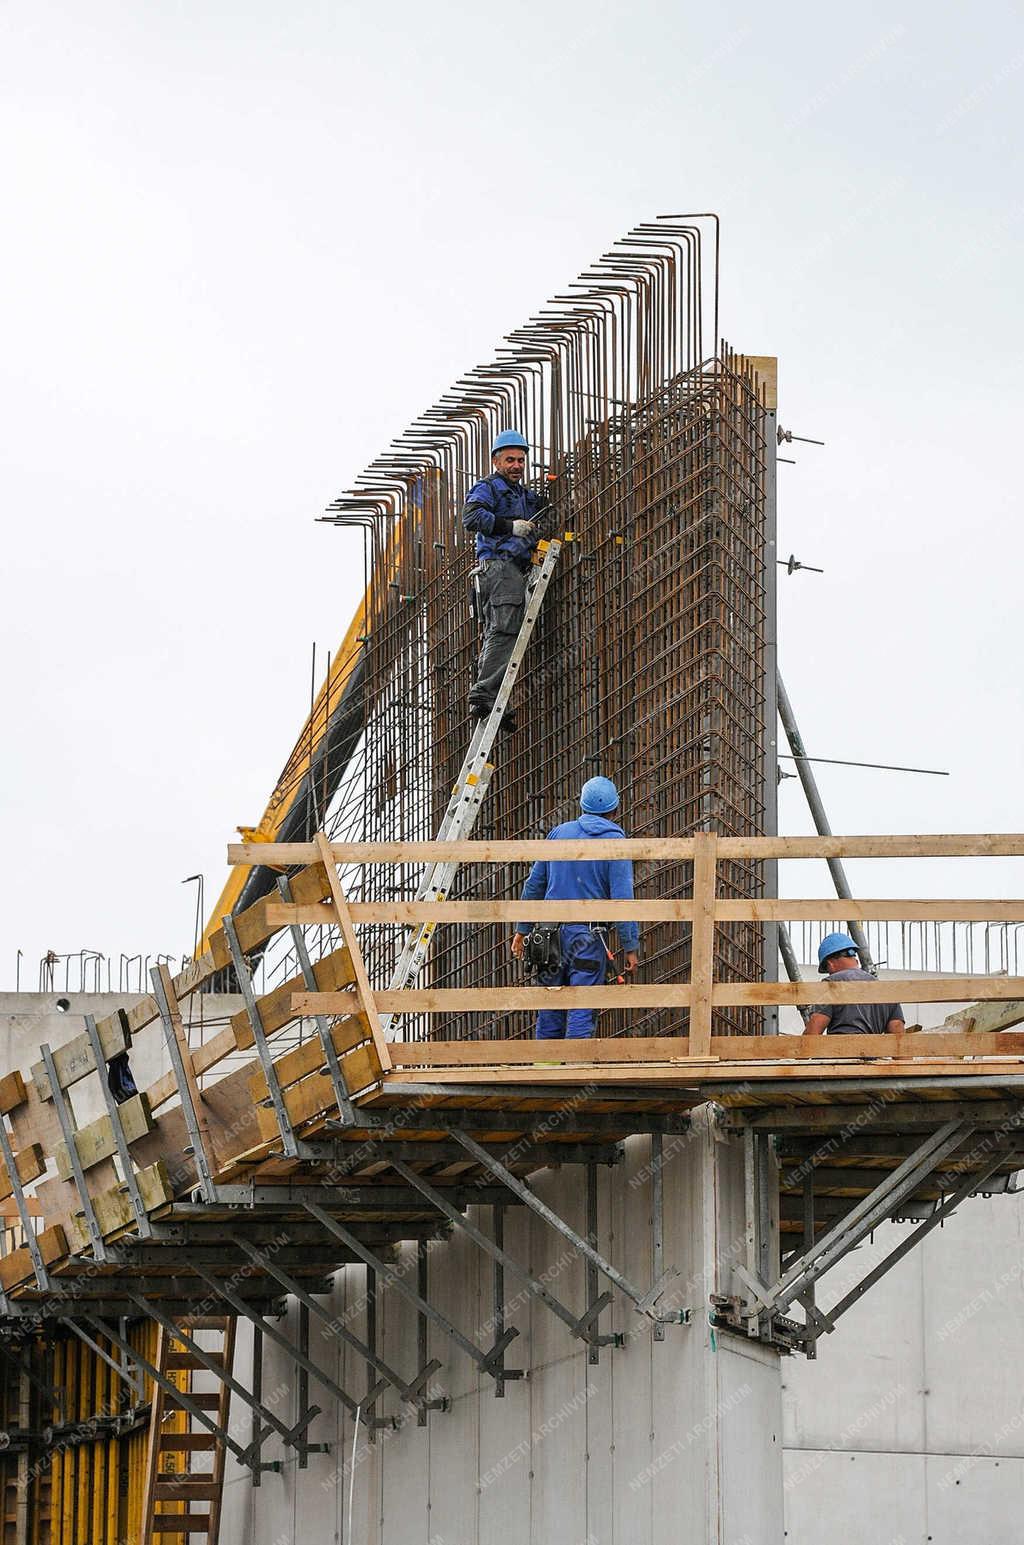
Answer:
(245, 244)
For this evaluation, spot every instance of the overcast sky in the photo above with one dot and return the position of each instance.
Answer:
(245, 244)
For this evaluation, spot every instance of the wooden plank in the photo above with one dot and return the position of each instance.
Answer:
(766, 369)
(453, 1000)
(315, 1094)
(231, 1119)
(113, 1208)
(74, 1060)
(205, 1056)
(494, 911)
(12, 1092)
(687, 1076)
(10, 1209)
(922, 989)
(763, 909)
(834, 908)
(524, 851)
(980, 1018)
(939, 845)
(332, 972)
(30, 1162)
(17, 1267)
(702, 941)
(348, 933)
(449, 1000)
(634, 1049)
(96, 1141)
(458, 1054)
(309, 1057)
(966, 845)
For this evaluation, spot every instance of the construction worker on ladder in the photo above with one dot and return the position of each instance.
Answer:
(583, 954)
(839, 959)
(502, 512)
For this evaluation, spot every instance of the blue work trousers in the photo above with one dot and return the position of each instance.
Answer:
(581, 967)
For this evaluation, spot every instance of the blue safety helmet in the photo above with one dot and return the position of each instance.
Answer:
(598, 796)
(509, 440)
(834, 944)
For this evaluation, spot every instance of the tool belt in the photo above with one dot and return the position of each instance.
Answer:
(542, 952)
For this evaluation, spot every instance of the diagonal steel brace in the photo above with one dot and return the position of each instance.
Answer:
(137, 1388)
(287, 1434)
(114, 1113)
(488, 1362)
(645, 1303)
(860, 1220)
(240, 1306)
(580, 1325)
(170, 1388)
(31, 1242)
(66, 1118)
(409, 1390)
(259, 1035)
(968, 1185)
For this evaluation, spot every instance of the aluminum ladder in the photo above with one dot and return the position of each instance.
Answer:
(471, 785)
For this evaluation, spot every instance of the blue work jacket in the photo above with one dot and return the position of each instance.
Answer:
(584, 879)
(491, 507)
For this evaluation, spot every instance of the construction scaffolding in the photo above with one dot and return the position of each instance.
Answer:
(293, 1141)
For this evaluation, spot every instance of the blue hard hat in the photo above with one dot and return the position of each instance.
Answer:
(834, 944)
(598, 796)
(509, 440)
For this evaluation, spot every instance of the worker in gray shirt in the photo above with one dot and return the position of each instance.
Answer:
(837, 956)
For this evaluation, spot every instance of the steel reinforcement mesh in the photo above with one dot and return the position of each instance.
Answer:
(647, 665)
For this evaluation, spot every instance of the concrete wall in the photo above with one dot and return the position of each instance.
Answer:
(661, 1443)
(910, 1425)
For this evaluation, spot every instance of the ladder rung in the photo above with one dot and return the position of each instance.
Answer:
(206, 1400)
(180, 1523)
(188, 1360)
(186, 1488)
(186, 1442)
(204, 1322)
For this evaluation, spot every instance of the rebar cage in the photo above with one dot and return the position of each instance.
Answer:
(648, 663)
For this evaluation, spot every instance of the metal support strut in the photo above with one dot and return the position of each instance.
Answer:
(487, 1362)
(644, 1303)
(408, 1389)
(821, 825)
(581, 1325)
(290, 1435)
(856, 1224)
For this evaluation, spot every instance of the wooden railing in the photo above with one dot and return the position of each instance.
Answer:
(702, 993)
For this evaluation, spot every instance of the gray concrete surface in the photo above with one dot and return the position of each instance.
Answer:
(662, 1442)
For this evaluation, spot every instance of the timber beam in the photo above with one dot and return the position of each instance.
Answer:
(985, 1115)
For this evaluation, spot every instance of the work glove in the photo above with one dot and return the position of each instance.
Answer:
(523, 529)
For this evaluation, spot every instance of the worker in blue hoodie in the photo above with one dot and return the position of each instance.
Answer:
(583, 953)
